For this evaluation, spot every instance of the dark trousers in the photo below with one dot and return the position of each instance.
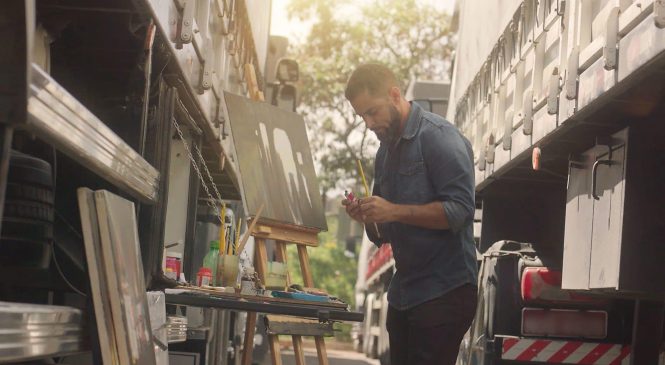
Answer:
(431, 333)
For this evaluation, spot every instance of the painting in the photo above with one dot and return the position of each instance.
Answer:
(275, 163)
(116, 276)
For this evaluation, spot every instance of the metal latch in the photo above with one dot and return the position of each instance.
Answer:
(571, 73)
(527, 124)
(659, 13)
(610, 53)
(562, 7)
(481, 159)
(507, 134)
(553, 94)
(186, 26)
(490, 149)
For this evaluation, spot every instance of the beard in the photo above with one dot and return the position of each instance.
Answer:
(391, 134)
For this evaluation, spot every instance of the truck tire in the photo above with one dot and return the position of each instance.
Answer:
(27, 222)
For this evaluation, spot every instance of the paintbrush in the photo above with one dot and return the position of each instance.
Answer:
(245, 237)
(367, 194)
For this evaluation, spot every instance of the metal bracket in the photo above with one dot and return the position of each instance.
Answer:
(609, 142)
(610, 52)
(186, 26)
(571, 73)
(553, 95)
(575, 161)
(659, 13)
(527, 124)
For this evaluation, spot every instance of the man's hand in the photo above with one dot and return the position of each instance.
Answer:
(353, 209)
(378, 210)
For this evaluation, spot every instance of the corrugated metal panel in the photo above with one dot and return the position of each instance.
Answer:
(259, 18)
(481, 24)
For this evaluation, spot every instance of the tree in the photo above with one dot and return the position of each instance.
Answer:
(412, 39)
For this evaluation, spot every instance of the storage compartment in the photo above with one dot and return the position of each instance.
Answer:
(615, 214)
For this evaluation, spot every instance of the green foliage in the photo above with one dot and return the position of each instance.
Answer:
(332, 271)
(414, 40)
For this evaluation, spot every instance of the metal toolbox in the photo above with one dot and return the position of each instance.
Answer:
(614, 214)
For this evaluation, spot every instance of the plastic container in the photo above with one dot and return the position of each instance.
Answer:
(210, 261)
(204, 277)
(227, 271)
(173, 265)
(276, 276)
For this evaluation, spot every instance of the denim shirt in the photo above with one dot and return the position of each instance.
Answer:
(432, 161)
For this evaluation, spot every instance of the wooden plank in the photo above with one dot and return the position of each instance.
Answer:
(301, 236)
(248, 344)
(275, 353)
(287, 325)
(298, 350)
(260, 258)
(304, 266)
(252, 84)
(321, 350)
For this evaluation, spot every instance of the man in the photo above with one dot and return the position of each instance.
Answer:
(423, 204)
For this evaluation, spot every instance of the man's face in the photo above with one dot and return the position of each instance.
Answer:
(380, 115)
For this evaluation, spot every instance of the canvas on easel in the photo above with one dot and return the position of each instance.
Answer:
(275, 162)
(276, 172)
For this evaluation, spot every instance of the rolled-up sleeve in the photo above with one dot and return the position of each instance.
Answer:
(449, 162)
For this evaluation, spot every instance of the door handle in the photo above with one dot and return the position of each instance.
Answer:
(594, 172)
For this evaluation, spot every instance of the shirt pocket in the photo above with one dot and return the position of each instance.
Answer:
(414, 186)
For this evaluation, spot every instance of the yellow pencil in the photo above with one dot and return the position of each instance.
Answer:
(222, 232)
(367, 194)
(235, 244)
(362, 176)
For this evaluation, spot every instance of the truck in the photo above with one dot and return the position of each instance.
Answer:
(116, 112)
(562, 101)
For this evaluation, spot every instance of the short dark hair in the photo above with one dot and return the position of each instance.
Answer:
(374, 78)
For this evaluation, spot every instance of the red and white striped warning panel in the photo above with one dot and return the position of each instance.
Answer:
(565, 352)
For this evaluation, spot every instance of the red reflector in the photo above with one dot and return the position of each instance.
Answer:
(564, 323)
(542, 284)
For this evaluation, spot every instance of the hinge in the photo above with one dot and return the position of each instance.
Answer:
(186, 26)
(610, 53)
(553, 94)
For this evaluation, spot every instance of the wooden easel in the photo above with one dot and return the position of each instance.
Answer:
(282, 236)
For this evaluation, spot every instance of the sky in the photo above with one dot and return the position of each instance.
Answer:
(282, 25)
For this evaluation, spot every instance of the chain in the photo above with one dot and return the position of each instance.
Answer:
(210, 199)
(205, 167)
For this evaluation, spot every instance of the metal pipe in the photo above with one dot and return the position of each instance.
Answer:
(6, 134)
(91, 9)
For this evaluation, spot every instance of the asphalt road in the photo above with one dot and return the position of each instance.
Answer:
(334, 357)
